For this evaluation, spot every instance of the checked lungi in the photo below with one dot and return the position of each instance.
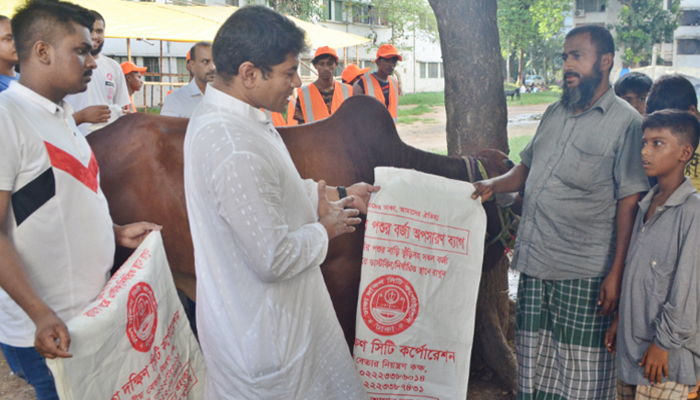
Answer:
(560, 340)
(662, 391)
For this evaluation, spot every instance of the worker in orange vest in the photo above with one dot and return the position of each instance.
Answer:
(383, 86)
(352, 74)
(134, 81)
(278, 119)
(322, 98)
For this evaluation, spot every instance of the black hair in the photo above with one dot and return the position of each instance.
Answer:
(671, 91)
(98, 16)
(46, 20)
(258, 35)
(600, 38)
(635, 82)
(194, 48)
(4, 18)
(323, 57)
(682, 124)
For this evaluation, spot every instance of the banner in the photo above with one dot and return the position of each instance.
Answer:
(134, 341)
(421, 267)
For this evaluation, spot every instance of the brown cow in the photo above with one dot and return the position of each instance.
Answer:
(141, 168)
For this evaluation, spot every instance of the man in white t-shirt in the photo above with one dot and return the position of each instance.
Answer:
(260, 232)
(107, 88)
(57, 239)
(183, 101)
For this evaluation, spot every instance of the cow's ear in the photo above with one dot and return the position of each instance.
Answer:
(249, 74)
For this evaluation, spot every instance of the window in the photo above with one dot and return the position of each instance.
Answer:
(442, 71)
(433, 70)
(182, 70)
(690, 18)
(591, 5)
(688, 46)
(338, 10)
(367, 14)
(372, 66)
(423, 68)
(303, 70)
(339, 69)
(153, 65)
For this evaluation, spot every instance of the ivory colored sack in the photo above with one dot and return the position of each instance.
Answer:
(134, 341)
(421, 267)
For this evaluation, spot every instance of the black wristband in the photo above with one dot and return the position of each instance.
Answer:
(342, 193)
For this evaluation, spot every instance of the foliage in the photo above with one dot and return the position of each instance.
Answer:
(517, 28)
(306, 10)
(532, 26)
(643, 23)
(401, 16)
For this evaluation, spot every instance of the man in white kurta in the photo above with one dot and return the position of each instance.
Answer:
(263, 311)
(265, 319)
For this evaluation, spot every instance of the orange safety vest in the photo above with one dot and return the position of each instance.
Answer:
(133, 107)
(375, 90)
(278, 118)
(309, 94)
(290, 113)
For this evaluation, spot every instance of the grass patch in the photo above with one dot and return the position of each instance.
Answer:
(516, 145)
(417, 110)
(430, 121)
(528, 99)
(407, 120)
(425, 98)
(152, 110)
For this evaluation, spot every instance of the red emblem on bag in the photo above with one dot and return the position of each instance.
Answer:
(389, 305)
(142, 317)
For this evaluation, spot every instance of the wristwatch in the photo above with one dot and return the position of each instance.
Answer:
(342, 192)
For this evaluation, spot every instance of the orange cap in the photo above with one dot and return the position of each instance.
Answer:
(323, 50)
(129, 67)
(388, 51)
(188, 55)
(352, 71)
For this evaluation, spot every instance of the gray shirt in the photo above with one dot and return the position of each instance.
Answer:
(580, 166)
(661, 289)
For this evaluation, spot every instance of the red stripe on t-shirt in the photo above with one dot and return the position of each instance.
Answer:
(66, 162)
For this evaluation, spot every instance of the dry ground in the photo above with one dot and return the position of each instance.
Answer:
(426, 135)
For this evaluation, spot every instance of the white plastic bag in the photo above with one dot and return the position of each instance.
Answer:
(134, 341)
(423, 251)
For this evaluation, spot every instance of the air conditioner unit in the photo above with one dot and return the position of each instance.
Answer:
(579, 13)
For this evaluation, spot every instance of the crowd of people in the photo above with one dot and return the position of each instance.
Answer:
(607, 249)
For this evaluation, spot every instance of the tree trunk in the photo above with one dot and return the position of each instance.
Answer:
(521, 67)
(476, 120)
(508, 68)
(474, 98)
(544, 65)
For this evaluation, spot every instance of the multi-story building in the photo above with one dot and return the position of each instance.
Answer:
(683, 51)
(686, 39)
(421, 68)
